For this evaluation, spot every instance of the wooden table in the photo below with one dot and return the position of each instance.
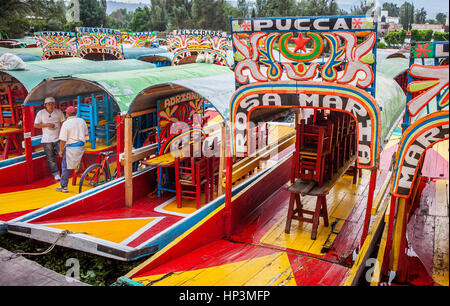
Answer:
(306, 187)
(13, 136)
(165, 160)
(162, 161)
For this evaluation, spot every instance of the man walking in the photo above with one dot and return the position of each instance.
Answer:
(73, 135)
(49, 120)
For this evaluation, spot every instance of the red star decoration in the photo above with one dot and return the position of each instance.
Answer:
(300, 42)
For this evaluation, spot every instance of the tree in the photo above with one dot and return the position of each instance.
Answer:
(91, 13)
(392, 8)
(49, 15)
(141, 20)
(242, 9)
(441, 18)
(363, 8)
(420, 16)
(406, 15)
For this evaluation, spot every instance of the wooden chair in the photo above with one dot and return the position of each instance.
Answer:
(191, 175)
(314, 145)
(10, 107)
(96, 109)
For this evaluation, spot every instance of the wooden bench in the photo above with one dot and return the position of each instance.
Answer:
(302, 187)
(245, 167)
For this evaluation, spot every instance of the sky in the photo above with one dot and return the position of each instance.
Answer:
(431, 6)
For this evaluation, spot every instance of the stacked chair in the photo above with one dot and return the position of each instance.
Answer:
(11, 134)
(96, 109)
(326, 143)
(11, 106)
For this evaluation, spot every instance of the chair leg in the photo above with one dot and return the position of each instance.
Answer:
(178, 182)
(292, 199)
(315, 221)
(324, 210)
(198, 185)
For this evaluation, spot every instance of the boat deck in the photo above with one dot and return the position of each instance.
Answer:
(100, 218)
(19, 200)
(428, 237)
(260, 253)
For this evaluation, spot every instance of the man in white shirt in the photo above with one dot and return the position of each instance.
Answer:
(49, 120)
(73, 135)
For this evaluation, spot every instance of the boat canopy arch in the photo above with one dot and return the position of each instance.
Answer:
(253, 102)
(416, 140)
(36, 72)
(385, 112)
(138, 90)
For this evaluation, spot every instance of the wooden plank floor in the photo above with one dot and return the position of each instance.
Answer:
(428, 237)
(261, 253)
(19, 271)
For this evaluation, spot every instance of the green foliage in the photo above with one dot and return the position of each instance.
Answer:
(392, 8)
(441, 18)
(119, 19)
(421, 35)
(363, 8)
(94, 270)
(70, 26)
(92, 13)
(48, 15)
(395, 38)
(438, 36)
(381, 45)
(406, 15)
(420, 16)
(14, 27)
(141, 20)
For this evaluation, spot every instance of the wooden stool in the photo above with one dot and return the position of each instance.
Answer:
(296, 211)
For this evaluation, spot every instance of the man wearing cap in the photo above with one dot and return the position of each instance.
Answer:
(73, 135)
(49, 120)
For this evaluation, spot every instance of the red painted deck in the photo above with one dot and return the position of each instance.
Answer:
(251, 248)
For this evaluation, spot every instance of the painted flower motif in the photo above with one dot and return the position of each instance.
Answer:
(236, 26)
(422, 50)
(167, 116)
(356, 23)
(368, 23)
(246, 25)
(196, 107)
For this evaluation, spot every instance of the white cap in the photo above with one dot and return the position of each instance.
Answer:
(49, 100)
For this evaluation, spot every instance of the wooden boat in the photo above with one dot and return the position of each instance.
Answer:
(121, 220)
(147, 227)
(248, 242)
(144, 85)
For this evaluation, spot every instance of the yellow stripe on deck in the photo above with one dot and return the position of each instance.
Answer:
(188, 206)
(274, 270)
(116, 230)
(340, 202)
(34, 198)
(441, 234)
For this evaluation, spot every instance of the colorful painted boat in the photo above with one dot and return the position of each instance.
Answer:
(245, 243)
(131, 90)
(121, 220)
(151, 223)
